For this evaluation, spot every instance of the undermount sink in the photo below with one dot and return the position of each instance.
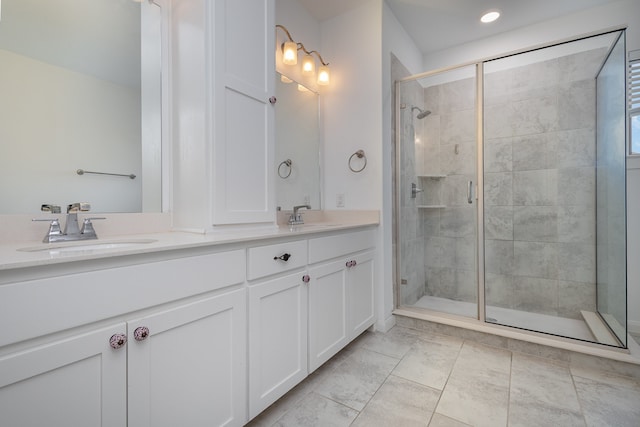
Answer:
(311, 226)
(70, 247)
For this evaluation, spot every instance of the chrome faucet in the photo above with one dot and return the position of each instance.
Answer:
(71, 229)
(296, 217)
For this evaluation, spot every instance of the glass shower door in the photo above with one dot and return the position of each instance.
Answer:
(436, 192)
(611, 285)
(554, 188)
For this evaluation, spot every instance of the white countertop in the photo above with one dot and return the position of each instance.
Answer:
(26, 254)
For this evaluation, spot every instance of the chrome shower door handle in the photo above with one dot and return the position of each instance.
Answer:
(470, 193)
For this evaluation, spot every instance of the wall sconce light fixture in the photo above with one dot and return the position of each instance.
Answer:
(290, 57)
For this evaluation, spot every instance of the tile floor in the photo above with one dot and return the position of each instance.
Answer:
(417, 378)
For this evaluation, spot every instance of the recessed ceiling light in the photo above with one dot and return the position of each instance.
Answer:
(490, 16)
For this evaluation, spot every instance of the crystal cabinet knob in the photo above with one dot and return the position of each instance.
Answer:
(117, 341)
(306, 278)
(141, 333)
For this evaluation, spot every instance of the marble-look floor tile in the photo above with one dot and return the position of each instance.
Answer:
(399, 403)
(395, 343)
(357, 378)
(439, 420)
(317, 410)
(477, 391)
(291, 399)
(430, 360)
(609, 400)
(542, 393)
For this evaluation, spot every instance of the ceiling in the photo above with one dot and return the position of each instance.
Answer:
(440, 24)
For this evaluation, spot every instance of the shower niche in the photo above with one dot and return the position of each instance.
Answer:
(511, 208)
(428, 191)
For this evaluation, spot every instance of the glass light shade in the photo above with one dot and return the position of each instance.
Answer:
(302, 88)
(285, 79)
(308, 65)
(289, 53)
(324, 77)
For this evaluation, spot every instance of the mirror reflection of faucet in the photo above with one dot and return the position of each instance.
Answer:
(71, 231)
(296, 217)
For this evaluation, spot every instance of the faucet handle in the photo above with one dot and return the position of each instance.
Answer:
(50, 208)
(87, 226)
(54, 229)
(79, 207)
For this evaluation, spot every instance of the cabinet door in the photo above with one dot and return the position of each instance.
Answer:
(244, 80)
(328, 330)
(78, 381)
(277, 339)
(191, 368)
(361, 296)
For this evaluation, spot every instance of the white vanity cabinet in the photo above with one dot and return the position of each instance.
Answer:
(183, 362)
(277, 339)
(277, 321)
(341, 292)
(187, 365)
(74, 381)
(189, 337)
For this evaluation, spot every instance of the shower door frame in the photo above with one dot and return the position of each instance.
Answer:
(479, 186)
(480, 229)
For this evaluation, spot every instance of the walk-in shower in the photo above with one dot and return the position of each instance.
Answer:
(510, 190)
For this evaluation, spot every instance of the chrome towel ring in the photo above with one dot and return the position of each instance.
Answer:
(360, 155)
(287, 163)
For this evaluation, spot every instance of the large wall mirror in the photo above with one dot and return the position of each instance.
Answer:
(80, 88)
(297, 145)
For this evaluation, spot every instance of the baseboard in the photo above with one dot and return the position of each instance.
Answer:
(386, 324)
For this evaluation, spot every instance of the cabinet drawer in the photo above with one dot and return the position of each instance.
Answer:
(265, 260)
(39, 307)
(324, 248)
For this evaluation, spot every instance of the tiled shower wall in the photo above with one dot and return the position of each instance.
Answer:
(540, 155)
(446, 154)
(411, 222)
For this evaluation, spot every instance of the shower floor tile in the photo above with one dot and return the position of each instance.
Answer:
(379, 380)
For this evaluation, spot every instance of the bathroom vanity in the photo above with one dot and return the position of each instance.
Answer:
(177, 328)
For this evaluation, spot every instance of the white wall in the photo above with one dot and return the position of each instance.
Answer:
(353, 106)
(353, 120)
